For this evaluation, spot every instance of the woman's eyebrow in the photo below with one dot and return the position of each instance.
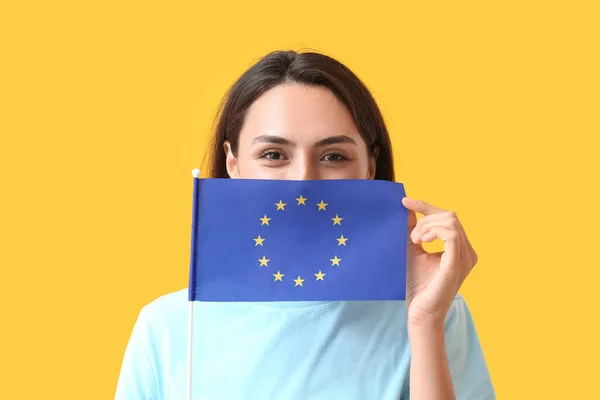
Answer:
(336, 140)
(283, 141)
(273, 139)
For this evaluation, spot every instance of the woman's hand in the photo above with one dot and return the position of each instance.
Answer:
(433, 279)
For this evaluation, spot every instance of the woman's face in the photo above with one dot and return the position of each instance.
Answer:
(299, 132)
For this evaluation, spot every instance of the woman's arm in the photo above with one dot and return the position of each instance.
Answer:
(137, 379)
(429, 370)
(432, 283)
(452, 350)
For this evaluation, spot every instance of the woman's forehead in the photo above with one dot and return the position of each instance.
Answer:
(299, 113)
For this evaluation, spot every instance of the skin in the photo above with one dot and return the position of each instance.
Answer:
(299, 132)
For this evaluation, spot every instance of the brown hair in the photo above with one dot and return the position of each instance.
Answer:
(308, 68)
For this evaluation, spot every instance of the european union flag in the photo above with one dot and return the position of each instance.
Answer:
(273, 240)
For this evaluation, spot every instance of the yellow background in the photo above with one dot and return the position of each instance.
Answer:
(105, 108)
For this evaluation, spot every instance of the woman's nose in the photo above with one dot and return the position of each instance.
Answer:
(303, 170)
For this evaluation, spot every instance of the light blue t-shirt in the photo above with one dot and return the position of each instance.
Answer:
(296, 351)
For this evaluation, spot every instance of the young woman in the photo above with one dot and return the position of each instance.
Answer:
(306, 116)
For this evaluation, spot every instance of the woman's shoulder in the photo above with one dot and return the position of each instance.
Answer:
(165, 312)
(167, 303)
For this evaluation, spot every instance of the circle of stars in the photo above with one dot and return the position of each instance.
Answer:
(299, 281)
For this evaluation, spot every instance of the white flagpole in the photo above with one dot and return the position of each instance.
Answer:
(189, 360)
(196, 175)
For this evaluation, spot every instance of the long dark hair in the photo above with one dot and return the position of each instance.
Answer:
(308, 68)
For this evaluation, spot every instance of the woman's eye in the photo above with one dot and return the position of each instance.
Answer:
(272, 155)
(332, 157)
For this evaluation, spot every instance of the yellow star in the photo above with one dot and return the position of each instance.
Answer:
(281, 205)
(342, 240)
(260, 240)
(337, 220)
(335, 261)
(298, 281)
(301, 200)
(265, 220)
(264, 261)
(320, 275)
(321, 206)
(278, 276)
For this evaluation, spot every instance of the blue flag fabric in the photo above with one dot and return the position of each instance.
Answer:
(321, 240)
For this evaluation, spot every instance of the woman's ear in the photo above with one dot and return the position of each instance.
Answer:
(230, 161)
(373, 163)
